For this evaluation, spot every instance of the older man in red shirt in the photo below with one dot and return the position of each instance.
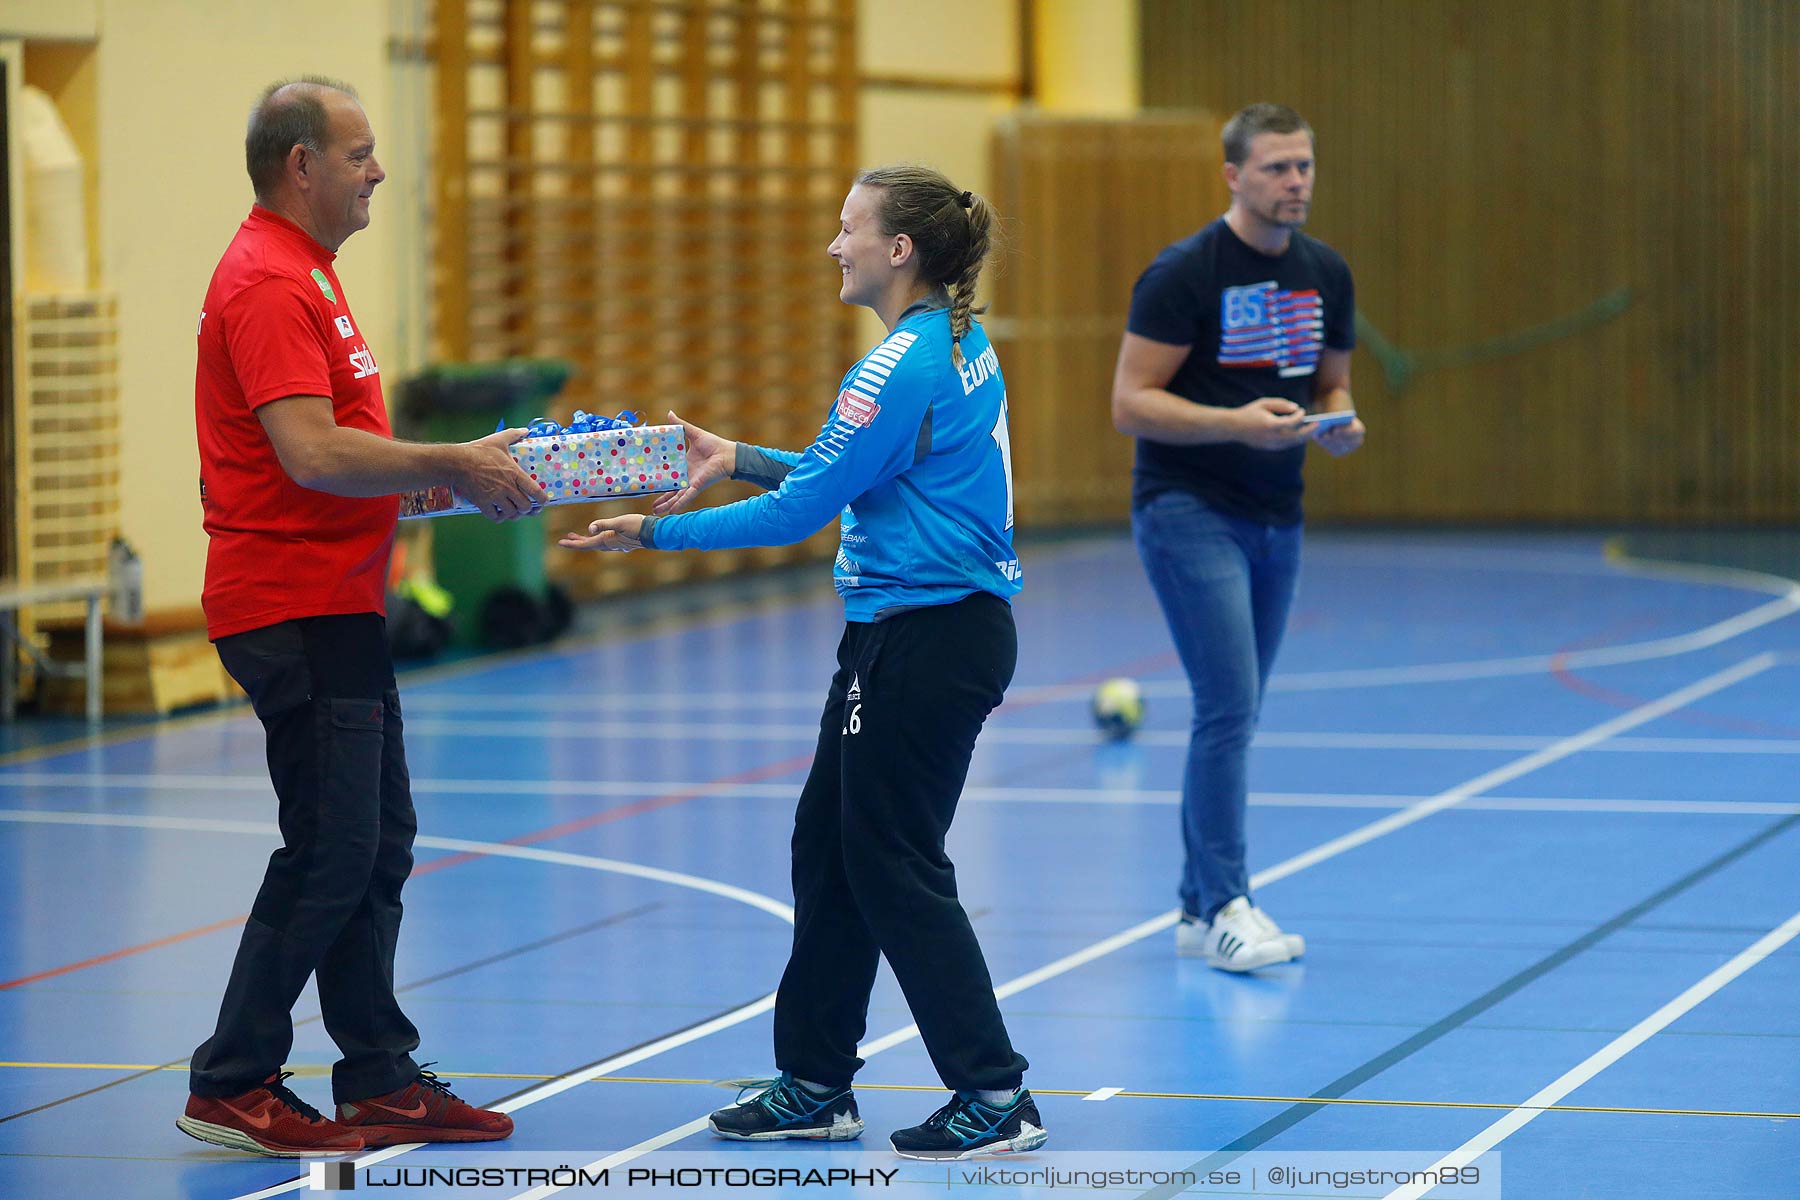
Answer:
(298, 481)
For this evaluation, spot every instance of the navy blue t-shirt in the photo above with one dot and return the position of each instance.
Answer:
(1257, 325)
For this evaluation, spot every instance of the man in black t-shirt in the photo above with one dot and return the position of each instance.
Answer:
(1235, 333)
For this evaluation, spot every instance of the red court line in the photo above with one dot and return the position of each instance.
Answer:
(1149, 663)
(754, 775)
(1560, 671)
(1687, 716)
(668, 800)
(228, 923)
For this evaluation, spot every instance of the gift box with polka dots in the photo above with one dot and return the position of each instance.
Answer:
(576, 468)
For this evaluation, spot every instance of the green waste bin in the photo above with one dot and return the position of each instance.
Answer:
(473, 557)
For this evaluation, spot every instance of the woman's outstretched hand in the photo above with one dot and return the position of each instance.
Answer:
(608, 533)
(710, 458)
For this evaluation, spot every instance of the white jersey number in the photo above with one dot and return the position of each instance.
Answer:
(1003, 442)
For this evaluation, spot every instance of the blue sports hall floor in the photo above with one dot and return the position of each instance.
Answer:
(1532, 803)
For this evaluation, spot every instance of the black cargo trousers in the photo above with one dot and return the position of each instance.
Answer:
(323, 688)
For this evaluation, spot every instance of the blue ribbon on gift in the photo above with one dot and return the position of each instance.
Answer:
(581, 422)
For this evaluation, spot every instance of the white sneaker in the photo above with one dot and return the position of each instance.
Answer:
(1190, 936)
(1295, 943)
(1241, 937)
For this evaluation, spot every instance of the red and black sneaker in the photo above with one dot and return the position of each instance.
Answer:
(266, 1120)
(425, 1110)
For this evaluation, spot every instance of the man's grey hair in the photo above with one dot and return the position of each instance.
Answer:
(288, 114)
(1246, 123)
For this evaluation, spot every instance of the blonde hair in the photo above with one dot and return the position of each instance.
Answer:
(951, 231)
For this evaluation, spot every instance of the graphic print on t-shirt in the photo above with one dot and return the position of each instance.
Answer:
(1260, 325)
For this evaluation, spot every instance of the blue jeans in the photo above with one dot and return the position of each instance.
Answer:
(1225, 584)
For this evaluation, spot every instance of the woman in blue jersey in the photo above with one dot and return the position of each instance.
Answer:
(915, 462)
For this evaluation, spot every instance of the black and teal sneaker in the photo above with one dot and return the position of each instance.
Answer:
(785, 1109)
(968, 1127)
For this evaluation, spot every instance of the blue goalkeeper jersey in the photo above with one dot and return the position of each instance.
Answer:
(915, 461)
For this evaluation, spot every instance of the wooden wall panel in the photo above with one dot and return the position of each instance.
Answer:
(67, 439)
(1490, 168)
(1086, 205)
(645, 188)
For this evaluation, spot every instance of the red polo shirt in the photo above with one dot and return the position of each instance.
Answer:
(275, 325)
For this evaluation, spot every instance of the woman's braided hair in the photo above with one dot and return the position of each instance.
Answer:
(951, 232)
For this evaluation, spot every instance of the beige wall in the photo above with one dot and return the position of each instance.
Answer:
(43, 19)
(174, 83)
(1086, 63)
(175, 79)
(1087, 57)
(945, 129)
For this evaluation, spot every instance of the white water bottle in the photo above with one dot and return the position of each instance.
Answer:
(126, 571)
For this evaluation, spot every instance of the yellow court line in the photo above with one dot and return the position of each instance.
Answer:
(915, 1087)
(97, 1066)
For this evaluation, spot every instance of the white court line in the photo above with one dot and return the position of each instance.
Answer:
(546, 1090)
(1508, 742)
(1563, 749)
(1788, 602)
(591, 862)
(1604, 656)
(499, 849)
(1018, 735)
(620, 1158)
(1641, 715)
(1066, 963)
(1568, 746)
(1701, 573)
(696, 883)
(801, 734)
(1609, 1054)
(636, 789)
(257, 785)
(1106, 1093)
(876, 1046)
(420, 700)
(1145, 929)
(1610, 565)
(1539, 804)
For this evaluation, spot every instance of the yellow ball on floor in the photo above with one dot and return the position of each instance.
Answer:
(1118, 708)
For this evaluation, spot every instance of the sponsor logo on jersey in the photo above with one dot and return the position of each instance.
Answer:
(858, 405)
(318, 277)
(857, 409)
(978, 370)
(345, 329)
(364, 362)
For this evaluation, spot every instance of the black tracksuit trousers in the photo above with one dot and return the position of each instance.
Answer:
(870, 873)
